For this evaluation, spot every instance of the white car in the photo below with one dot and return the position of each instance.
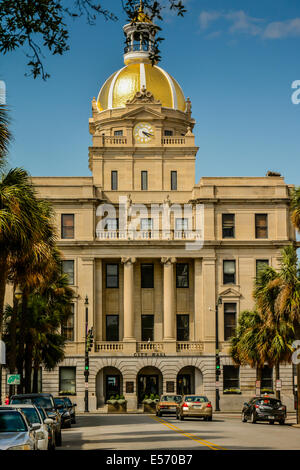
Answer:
(34, 417)
(15, 431)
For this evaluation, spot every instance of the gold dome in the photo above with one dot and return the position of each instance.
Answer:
(124, 84)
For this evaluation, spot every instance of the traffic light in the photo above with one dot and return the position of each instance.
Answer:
(90, 340)
(218, 365)
(86, 367)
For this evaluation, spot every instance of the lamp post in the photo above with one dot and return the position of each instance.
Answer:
(17, 297)
(86, 356)
(218, 370)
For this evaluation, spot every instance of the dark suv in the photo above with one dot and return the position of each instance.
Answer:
(44, 400)
(264, 409)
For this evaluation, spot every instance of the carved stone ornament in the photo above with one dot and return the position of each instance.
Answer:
(166, 260)
(128, 260)
(143, 96)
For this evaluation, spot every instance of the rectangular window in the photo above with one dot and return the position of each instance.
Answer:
(229, 320)
(147, 276)
(168, 133)
(183, 327)
(112, 327)
(228, 225)
(67, 329)
(67, 226)
(229, 272)
(111, 224)
(181, 224)
(261, 263)
(68, 269)
(261, 226)
(147, 327)
(231, 378)
(114, 180)
(146, 224)
(144, 180)
(118, 133)
(182, 275)
(173, 180)
(67, 381)
(112, 276)
(267, 378)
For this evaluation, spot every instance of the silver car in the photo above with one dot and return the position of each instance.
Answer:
(15, 431)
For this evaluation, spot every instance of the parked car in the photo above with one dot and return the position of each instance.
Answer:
(34, 417)
(264, 409)
(196, 406)
(46, 401)
(71, 407)
(167, 404)
(16, 432)
(61, 405)
(51, 428)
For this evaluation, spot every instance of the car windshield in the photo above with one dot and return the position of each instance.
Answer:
(268, 401)
(59, 401)
(196, 399)
(68, 401)
(42, 413)
(12, 422)
(32, 415)
(172, 398)
(45, 402)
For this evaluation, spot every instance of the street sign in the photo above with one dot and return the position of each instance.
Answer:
(257, 384)
(2, 353)
(257, 392)
(86, 385)
(278, 384)
(217, 384)
(13, 379)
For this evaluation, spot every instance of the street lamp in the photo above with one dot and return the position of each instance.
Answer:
(218, 366)
(86, 356)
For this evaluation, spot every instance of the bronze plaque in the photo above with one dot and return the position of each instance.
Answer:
(170, 387)
(129, 387)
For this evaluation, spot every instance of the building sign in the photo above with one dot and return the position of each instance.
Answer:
(170, 387)
(13, 379)
(154, 354)
(129, 387)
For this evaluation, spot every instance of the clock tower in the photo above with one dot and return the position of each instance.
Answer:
(141, 125)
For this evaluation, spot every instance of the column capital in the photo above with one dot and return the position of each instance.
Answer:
(168, 261)
(128, 260)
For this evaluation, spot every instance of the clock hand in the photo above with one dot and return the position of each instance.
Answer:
(147, 134)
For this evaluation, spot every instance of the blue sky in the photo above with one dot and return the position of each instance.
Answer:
(236, 60)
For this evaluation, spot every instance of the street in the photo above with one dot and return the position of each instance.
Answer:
(148, 432)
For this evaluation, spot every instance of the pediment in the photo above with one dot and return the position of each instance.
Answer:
(143, 112)
(230, 293)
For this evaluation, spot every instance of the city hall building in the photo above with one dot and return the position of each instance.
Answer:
(153, 286)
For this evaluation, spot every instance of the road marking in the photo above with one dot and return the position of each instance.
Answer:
(211, 445)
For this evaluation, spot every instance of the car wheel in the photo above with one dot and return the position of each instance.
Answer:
(271, 421)
(209, 418)
(244, 419)
(69, 425)
(58, 440)
(181, 418)
(282, 422)
(253, 419)
(177, 417)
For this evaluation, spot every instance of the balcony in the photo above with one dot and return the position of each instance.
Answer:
(188, 235)
(145, 348)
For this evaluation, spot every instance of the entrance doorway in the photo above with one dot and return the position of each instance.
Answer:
(109, 382)
(149, 382)
(189, 381)
(112, 386)
(184, 384)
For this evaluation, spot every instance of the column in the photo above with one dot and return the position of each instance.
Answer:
(98, 323)
(198, 298)
(128, 300)
(169, 312)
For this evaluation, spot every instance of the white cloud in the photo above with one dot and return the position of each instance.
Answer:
(238, 22)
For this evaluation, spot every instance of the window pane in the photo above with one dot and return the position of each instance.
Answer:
(182, 275)
(261, 225)
(168, 133)
(114, 180)
(147, 327)
(229, 272)
(119, 132)
(260, 264)
(173, 180)
(68, 326)
(231, 377)
(67, 380)
(67, 226)
(181, 224)
(112, 275)
(112, 224)
(68, 268)
(267, 378)
(144, 180)
(183, 327)
(228, 223)
(147, 276)
(112, 327)
(146, 224)
(229, 320)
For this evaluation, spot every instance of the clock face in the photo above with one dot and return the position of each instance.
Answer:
(143, 133)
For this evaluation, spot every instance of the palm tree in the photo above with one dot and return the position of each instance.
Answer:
(5, 135)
